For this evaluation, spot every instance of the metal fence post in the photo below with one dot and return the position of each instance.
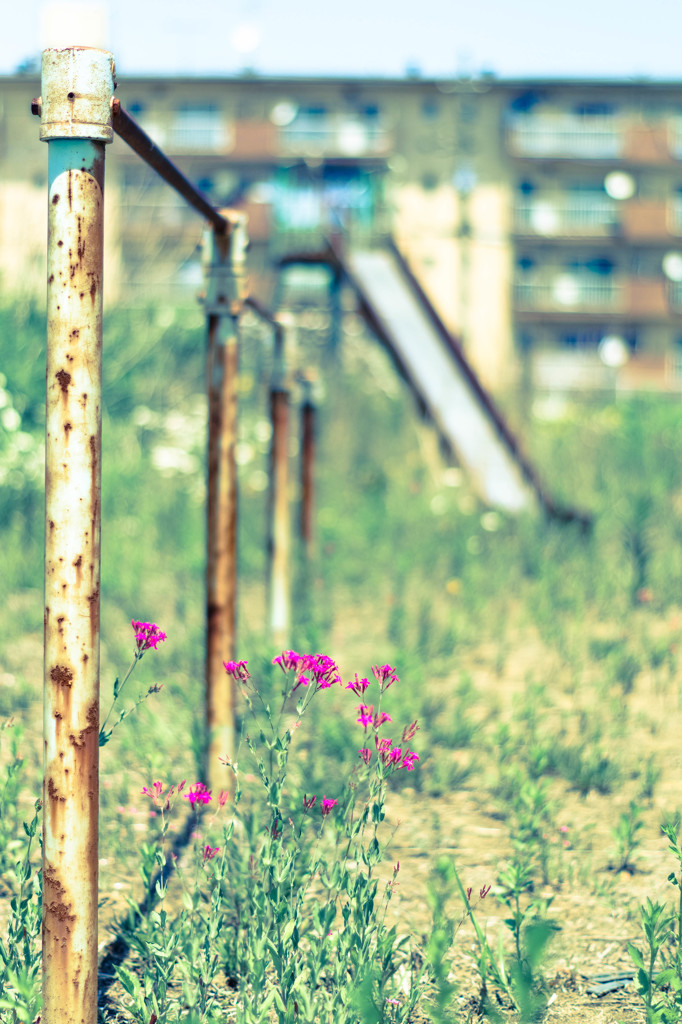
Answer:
(75, 107)
(225, 293)
(279, 585)
(308, 430)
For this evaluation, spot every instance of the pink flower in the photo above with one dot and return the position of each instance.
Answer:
(409, 760)
(237, 669)
(365, 754)
(287, 660)
(380, 718)
(198, 794)
(327, 805)
(409, 731)
(308, 802)
(210, 852)
(358, 686)
(317, 668)
(323, 670)
(147, 635)
(366, 714)
(384, 675)
(155, 792)
(223, 798)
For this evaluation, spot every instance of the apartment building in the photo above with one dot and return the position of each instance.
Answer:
(543, 218)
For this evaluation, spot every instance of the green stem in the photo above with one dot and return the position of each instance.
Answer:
(138, 655)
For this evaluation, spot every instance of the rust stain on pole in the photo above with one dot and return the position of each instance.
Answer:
(279, 600)
(77, 87)
(223, 303)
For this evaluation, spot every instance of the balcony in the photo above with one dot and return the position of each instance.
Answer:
(200, 130)
(565, 136)
(565, 370)
(567, 216)
(565, 294)
(335, 135)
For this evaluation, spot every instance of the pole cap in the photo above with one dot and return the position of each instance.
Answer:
(77, 87)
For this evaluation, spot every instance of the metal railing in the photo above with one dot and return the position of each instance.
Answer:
(569, 292)
(566, 215)
(565, 135)
(79, 117)
(336, 135)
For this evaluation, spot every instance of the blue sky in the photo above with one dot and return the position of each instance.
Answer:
(613, 38)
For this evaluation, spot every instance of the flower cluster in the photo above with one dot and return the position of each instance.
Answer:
(237, 669)
(358, 686)
(198, 794)
(157, 795)
(316, 668)
(384, 675)
(147, 635)
(326, 805)
(390, 755)
(370, 717)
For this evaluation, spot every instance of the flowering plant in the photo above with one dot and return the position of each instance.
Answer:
(147, 638)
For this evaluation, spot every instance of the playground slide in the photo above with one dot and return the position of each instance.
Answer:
(399, 312)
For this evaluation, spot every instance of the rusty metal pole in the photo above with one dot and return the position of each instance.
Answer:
(308, 430)
(75, 107)
(279, 530)
(225, 294)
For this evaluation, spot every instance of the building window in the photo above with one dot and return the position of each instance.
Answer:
(430, 109)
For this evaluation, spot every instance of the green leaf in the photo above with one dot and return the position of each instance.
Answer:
(636, 956)
(643, 980)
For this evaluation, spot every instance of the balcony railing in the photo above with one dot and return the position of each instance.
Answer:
(565, 135)
(566, 292)
(204, 135)
(562, 370)
(334, 136)
(571, 370)
(566, 215)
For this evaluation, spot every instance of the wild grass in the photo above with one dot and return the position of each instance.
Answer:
(408, 570)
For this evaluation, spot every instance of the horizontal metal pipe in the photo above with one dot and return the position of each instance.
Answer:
(138, 140)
